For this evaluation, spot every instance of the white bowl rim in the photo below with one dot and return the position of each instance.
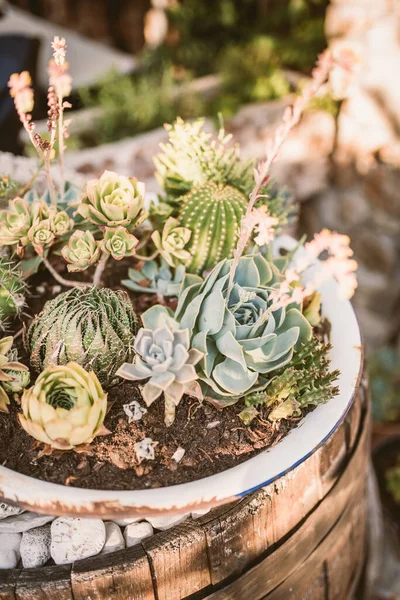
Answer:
(254, 473)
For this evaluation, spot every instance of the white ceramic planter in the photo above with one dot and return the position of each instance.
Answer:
(299, 444)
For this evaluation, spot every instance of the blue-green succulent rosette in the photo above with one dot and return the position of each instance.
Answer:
(243, 339)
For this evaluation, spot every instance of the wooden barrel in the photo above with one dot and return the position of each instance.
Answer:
(302, 537)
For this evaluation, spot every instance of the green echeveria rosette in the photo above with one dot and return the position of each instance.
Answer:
(93, 327)
(113, 201)
(212, 213)
(242, 341)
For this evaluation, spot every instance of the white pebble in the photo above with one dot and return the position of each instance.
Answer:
(23, 522)
(178, 454)
(40, 289)
(35, 547)
(74, 539)
(167, 522)
(196, 514)
(9, 550)
(114, 538)
(134, 411)
(56, 289)
(144, 450)
(8, 510)
(128, 521)
(136, 532)
(213, 424)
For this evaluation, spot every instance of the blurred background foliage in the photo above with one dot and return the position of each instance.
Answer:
(249, 46)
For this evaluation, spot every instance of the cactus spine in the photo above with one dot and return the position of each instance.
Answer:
(213, 213)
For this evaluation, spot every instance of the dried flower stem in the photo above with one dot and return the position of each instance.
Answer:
(147, 258)
(60, 278)
(100, 269)
(291, 117)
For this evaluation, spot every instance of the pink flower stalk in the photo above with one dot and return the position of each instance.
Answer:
(59, 46)
(263, 223)
(59, 78)
(339, 263)
(291, 117)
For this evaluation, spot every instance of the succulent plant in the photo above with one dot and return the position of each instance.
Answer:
(65, 407)
(114, 200)
(81, 252)
(172, 242)
(32, 220)
(213, 213)
(94, 327)
(119, 243)
(41, 236)
(12, 291)
(158, 278)
(306, 382)
(61, 223)
(13, 375)
(154, 278)
(15, 222)
(242, 338)
(164, 357)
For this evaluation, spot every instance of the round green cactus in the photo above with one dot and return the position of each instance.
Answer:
(94, 327)
(213, 213)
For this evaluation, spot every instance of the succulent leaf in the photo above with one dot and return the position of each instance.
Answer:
(14, 376)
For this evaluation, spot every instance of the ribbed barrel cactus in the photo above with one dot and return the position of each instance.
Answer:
(94, 327)
(213, 213)
(241, 336)
(65, 407)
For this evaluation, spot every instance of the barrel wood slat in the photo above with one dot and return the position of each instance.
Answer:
(128, 578)
(247, 550)
(286, 558)
(47, 583)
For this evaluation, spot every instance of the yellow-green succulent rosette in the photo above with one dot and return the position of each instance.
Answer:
(66, 407)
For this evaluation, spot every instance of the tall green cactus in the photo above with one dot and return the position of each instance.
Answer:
(213, 213)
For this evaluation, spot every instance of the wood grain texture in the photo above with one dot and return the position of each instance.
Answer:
(303, 536)
(123, 575)
(8, 582)
(179, 561)
(48, 583)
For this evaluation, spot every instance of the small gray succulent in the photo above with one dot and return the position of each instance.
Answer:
(157, 278)
(164, 357)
